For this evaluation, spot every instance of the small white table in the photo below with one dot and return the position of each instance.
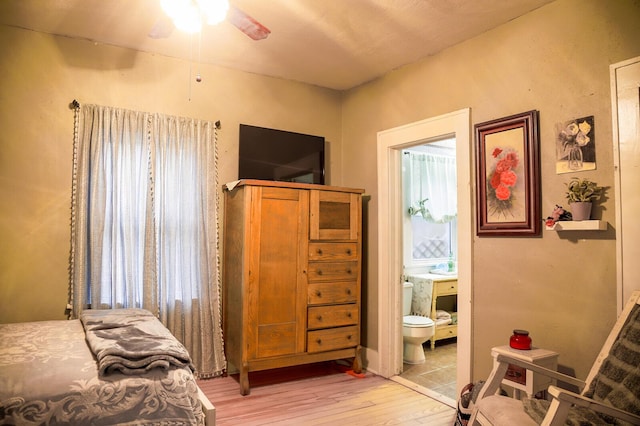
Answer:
(521, 379)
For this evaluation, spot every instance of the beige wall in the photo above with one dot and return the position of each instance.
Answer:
(556, 60)
(41, 74)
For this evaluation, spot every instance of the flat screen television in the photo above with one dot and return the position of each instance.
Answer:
(271, 154)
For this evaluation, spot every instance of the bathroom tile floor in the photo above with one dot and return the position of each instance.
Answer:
(438, 372)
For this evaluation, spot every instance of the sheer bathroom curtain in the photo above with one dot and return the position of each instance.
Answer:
(433, 178)
(144, 223)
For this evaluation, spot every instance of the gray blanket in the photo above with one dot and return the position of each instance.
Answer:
(131, 341)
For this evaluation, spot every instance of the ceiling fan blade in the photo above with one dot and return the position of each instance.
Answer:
(162, 28)
(247, 24)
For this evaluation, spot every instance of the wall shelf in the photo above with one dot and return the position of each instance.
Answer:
(579, 225)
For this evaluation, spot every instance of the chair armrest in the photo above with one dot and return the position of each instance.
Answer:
(582, 401)
(502, 363)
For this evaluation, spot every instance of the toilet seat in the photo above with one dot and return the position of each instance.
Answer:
(416, 321)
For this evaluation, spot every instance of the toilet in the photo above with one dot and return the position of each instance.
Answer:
(415, 329)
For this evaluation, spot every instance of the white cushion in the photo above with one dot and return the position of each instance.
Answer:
(502, 410)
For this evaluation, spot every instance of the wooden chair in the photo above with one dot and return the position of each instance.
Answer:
(609, 395)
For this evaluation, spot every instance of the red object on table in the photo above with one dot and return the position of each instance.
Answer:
(520, 340)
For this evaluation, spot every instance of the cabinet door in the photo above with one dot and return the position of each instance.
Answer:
(334, 215)
(277, 283)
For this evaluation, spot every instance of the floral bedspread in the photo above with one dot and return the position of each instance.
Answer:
(48, 375)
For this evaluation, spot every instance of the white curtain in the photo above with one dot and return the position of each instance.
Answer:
(144, 223)
(432, 186)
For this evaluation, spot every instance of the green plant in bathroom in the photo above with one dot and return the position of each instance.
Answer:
(420, 208)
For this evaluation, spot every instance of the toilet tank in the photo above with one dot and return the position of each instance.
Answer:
(407, 293)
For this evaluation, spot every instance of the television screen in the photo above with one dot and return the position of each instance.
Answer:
(272, 154)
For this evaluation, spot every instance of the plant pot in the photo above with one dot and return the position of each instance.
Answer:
(581, 210)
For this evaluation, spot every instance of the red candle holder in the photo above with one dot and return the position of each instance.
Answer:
(520, 340)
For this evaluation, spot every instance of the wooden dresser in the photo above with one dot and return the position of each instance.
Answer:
(291, 275)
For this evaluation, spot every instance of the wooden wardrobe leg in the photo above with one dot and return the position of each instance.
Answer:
(244, 381)
(357, 361)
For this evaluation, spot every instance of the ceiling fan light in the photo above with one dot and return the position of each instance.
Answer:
(184, 14)
(215, 11)
(172, 7)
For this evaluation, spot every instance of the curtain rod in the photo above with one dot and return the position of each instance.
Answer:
(75, 104)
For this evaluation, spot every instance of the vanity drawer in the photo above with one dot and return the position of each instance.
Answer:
(446, 331)
(332, 271)
(333, 251)
(332, 338)
(444, 288)
(332, 316)
(331, 293)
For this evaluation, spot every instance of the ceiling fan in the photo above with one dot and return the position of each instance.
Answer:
(189, 15)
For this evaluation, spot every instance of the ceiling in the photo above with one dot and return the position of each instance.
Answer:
(338, 44)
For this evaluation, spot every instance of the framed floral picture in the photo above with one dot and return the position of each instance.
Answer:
(508, 176)
(576, 145)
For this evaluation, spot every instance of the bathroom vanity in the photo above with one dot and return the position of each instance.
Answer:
(433, 292)
(443, 285)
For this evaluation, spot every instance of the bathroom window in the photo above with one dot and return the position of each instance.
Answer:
(432, 241)
(430, 204)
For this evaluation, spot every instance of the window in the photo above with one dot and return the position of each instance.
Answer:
(430, 204)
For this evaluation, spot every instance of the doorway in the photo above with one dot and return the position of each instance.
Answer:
(430, 251)
(390, 145)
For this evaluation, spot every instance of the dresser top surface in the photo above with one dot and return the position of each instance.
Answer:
(255, 182)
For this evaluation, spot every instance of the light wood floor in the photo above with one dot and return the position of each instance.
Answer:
(321, 394)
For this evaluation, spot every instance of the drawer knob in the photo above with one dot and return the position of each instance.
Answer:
(348, 314)
(349, 337)
(319, 317)
(319, 341)
(349, 291)
(319, 251)
(318, 293)
(349, 251)
(349, 271)
(319, 271)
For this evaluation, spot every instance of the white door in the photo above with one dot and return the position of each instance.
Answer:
(625, 94)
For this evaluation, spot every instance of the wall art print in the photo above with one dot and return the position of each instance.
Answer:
(575, 145)
(508, 176)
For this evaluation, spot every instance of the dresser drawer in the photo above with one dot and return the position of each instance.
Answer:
(332, 338)
(446, 331)
(332, 271)
(333, 251)
(516, 374)
(330, 293)
(332, 316)
(444, 288)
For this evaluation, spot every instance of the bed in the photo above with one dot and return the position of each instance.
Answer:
(110, 367)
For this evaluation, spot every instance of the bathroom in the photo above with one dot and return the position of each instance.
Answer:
(429, 265)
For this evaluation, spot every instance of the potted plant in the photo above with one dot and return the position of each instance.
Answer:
(581, 193)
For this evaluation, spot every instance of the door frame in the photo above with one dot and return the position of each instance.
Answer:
(391, 142)
(624, 285)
